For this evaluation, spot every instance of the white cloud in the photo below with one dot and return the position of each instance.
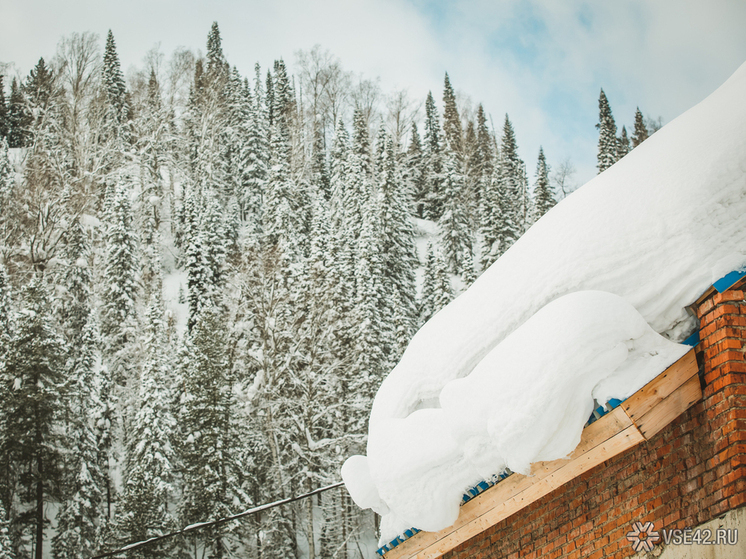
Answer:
(541, 61)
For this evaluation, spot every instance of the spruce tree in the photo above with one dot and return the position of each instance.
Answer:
(522, 200)
(34, 402)
(7, 336)
(543, 196)
(433, 161)
(608, 148)
(451, 120)
(339, 163)
(278, 217)
(80, 513)
(196, 249)
(623, 144)
(6, 178)
(210, 449)
(641, 132)
(121, 281)
(425, 303)
(148, 477)
(453, 225)
(485, 152)
(216, 63)
(436, 289)
(398, 251)
(6, 548)
(504, 200)
(113, 82)
(87, 470)
(233, 137)
(39, 86)
(19, 117)
(416, 177)
(4, 125)
(471, 169)
(358, 187)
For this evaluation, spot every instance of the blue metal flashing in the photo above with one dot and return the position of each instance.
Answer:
(728, 280)
(396, 541)
(692, 340)
(601, 411)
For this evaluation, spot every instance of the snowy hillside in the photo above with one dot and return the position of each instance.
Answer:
(582, 306)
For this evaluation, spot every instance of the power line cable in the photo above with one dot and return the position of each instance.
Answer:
(199, 525)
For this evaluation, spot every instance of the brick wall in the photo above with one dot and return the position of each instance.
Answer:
(691, 472)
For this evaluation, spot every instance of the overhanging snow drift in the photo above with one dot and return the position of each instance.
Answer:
(651, 233)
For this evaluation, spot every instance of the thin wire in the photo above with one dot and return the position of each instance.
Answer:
(198, 526)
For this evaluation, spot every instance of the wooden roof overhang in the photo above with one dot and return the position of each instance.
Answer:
(637, 419)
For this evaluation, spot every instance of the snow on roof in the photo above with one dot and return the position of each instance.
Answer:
(582, 306)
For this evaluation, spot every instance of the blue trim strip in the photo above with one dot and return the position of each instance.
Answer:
(727, 280)
(692, 340)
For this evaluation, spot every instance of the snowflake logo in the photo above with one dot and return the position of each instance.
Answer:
(643, 536)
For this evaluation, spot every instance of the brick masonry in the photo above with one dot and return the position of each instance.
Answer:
(691, 472)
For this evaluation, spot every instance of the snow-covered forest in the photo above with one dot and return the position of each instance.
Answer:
(205, 277)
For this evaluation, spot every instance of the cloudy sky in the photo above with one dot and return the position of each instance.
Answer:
(541, 61)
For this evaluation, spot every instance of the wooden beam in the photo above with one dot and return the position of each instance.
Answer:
(671, 407)
(662, 386)
(601, 440)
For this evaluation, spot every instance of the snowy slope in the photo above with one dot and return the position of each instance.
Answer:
(652, 233)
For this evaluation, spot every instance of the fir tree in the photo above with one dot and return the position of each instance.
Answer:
(320, 174)
(121, 281)
(522, 202)
(433, 161)
(256, 156)
(87, 470)
(19, 117)
(358, 187)
(398, 252)
(361, 143)
(80, 513)
(4, 125)
(471, 169)
(196, 260)
(641, 132)
(485, 152)
(277, 213)
(504, 200)
(148, 481)
(216, 63)
(152, 127)
(210, 455)
(75, 304)
(39, 85)
(416, 172)
(425, 303)
(451, 120)
(623, 144)
(453, 225)
(436, 288)
(6, 548)
(339, 166)
(6, 177)
(543, 196)
(33, 405)
(115, 89)
(607, 140)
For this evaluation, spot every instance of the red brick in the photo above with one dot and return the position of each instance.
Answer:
(726, 296)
